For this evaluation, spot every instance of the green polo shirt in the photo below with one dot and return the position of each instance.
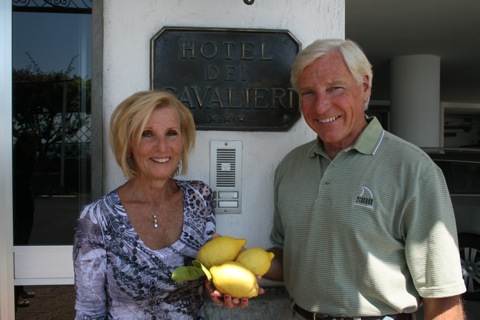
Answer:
(367, 233)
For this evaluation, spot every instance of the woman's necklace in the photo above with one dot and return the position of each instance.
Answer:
(154, 215)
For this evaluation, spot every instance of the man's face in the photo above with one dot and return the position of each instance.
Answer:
(332, 102)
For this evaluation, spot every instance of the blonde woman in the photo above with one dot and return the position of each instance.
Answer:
(128, 242)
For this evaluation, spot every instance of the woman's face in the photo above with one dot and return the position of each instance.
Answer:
(160, 149)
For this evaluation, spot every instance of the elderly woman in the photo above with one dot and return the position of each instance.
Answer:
(128, 242)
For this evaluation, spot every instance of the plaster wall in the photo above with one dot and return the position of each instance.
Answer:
(128, 28)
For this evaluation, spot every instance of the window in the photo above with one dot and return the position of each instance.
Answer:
(51, 125)
(465, 177)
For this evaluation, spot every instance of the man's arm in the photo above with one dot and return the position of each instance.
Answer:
(449, 308)
(275, 272)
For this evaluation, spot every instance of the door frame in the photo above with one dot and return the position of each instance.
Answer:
(7, 304)
(56, 260)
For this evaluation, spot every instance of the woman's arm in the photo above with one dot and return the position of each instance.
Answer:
(89, 260)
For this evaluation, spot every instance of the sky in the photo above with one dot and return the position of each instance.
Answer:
(52, 40)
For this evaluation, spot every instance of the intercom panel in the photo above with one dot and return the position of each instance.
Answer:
(226, 175)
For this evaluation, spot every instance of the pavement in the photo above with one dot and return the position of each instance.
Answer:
(275, 303)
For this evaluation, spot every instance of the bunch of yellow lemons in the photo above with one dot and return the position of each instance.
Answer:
(231, 270)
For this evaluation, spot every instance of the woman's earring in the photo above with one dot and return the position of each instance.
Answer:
(179, 168)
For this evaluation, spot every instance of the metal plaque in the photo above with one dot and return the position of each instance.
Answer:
(231, 79)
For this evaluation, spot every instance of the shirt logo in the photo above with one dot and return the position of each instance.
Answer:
(365, 198)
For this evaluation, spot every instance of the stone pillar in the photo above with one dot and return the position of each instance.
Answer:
(415, 110)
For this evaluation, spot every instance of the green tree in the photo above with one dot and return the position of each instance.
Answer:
(54, 105)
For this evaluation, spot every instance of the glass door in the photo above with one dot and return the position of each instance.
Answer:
(51, 135)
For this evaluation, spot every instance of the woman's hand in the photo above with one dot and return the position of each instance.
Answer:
(226, 300)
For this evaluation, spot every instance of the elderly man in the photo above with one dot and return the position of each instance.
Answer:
(363, 223)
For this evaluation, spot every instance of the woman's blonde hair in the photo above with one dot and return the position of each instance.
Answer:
(130, 118)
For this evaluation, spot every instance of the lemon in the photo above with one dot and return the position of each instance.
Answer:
(256, 260)
(220, 250)
(234, 279)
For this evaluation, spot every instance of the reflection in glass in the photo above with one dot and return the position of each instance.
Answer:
(48, 302)
(51, 125)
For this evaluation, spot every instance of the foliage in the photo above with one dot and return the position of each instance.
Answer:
(54, 105)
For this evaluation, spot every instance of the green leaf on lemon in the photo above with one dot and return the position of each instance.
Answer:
(198, 264)
(187, 273)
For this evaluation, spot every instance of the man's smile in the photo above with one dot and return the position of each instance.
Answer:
(327, 120)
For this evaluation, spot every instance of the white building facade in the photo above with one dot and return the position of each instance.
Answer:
(122, 31)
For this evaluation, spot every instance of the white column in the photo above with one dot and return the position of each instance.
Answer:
(415, 99)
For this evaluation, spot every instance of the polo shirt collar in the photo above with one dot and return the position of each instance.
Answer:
(371, 137)
(367, 143)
